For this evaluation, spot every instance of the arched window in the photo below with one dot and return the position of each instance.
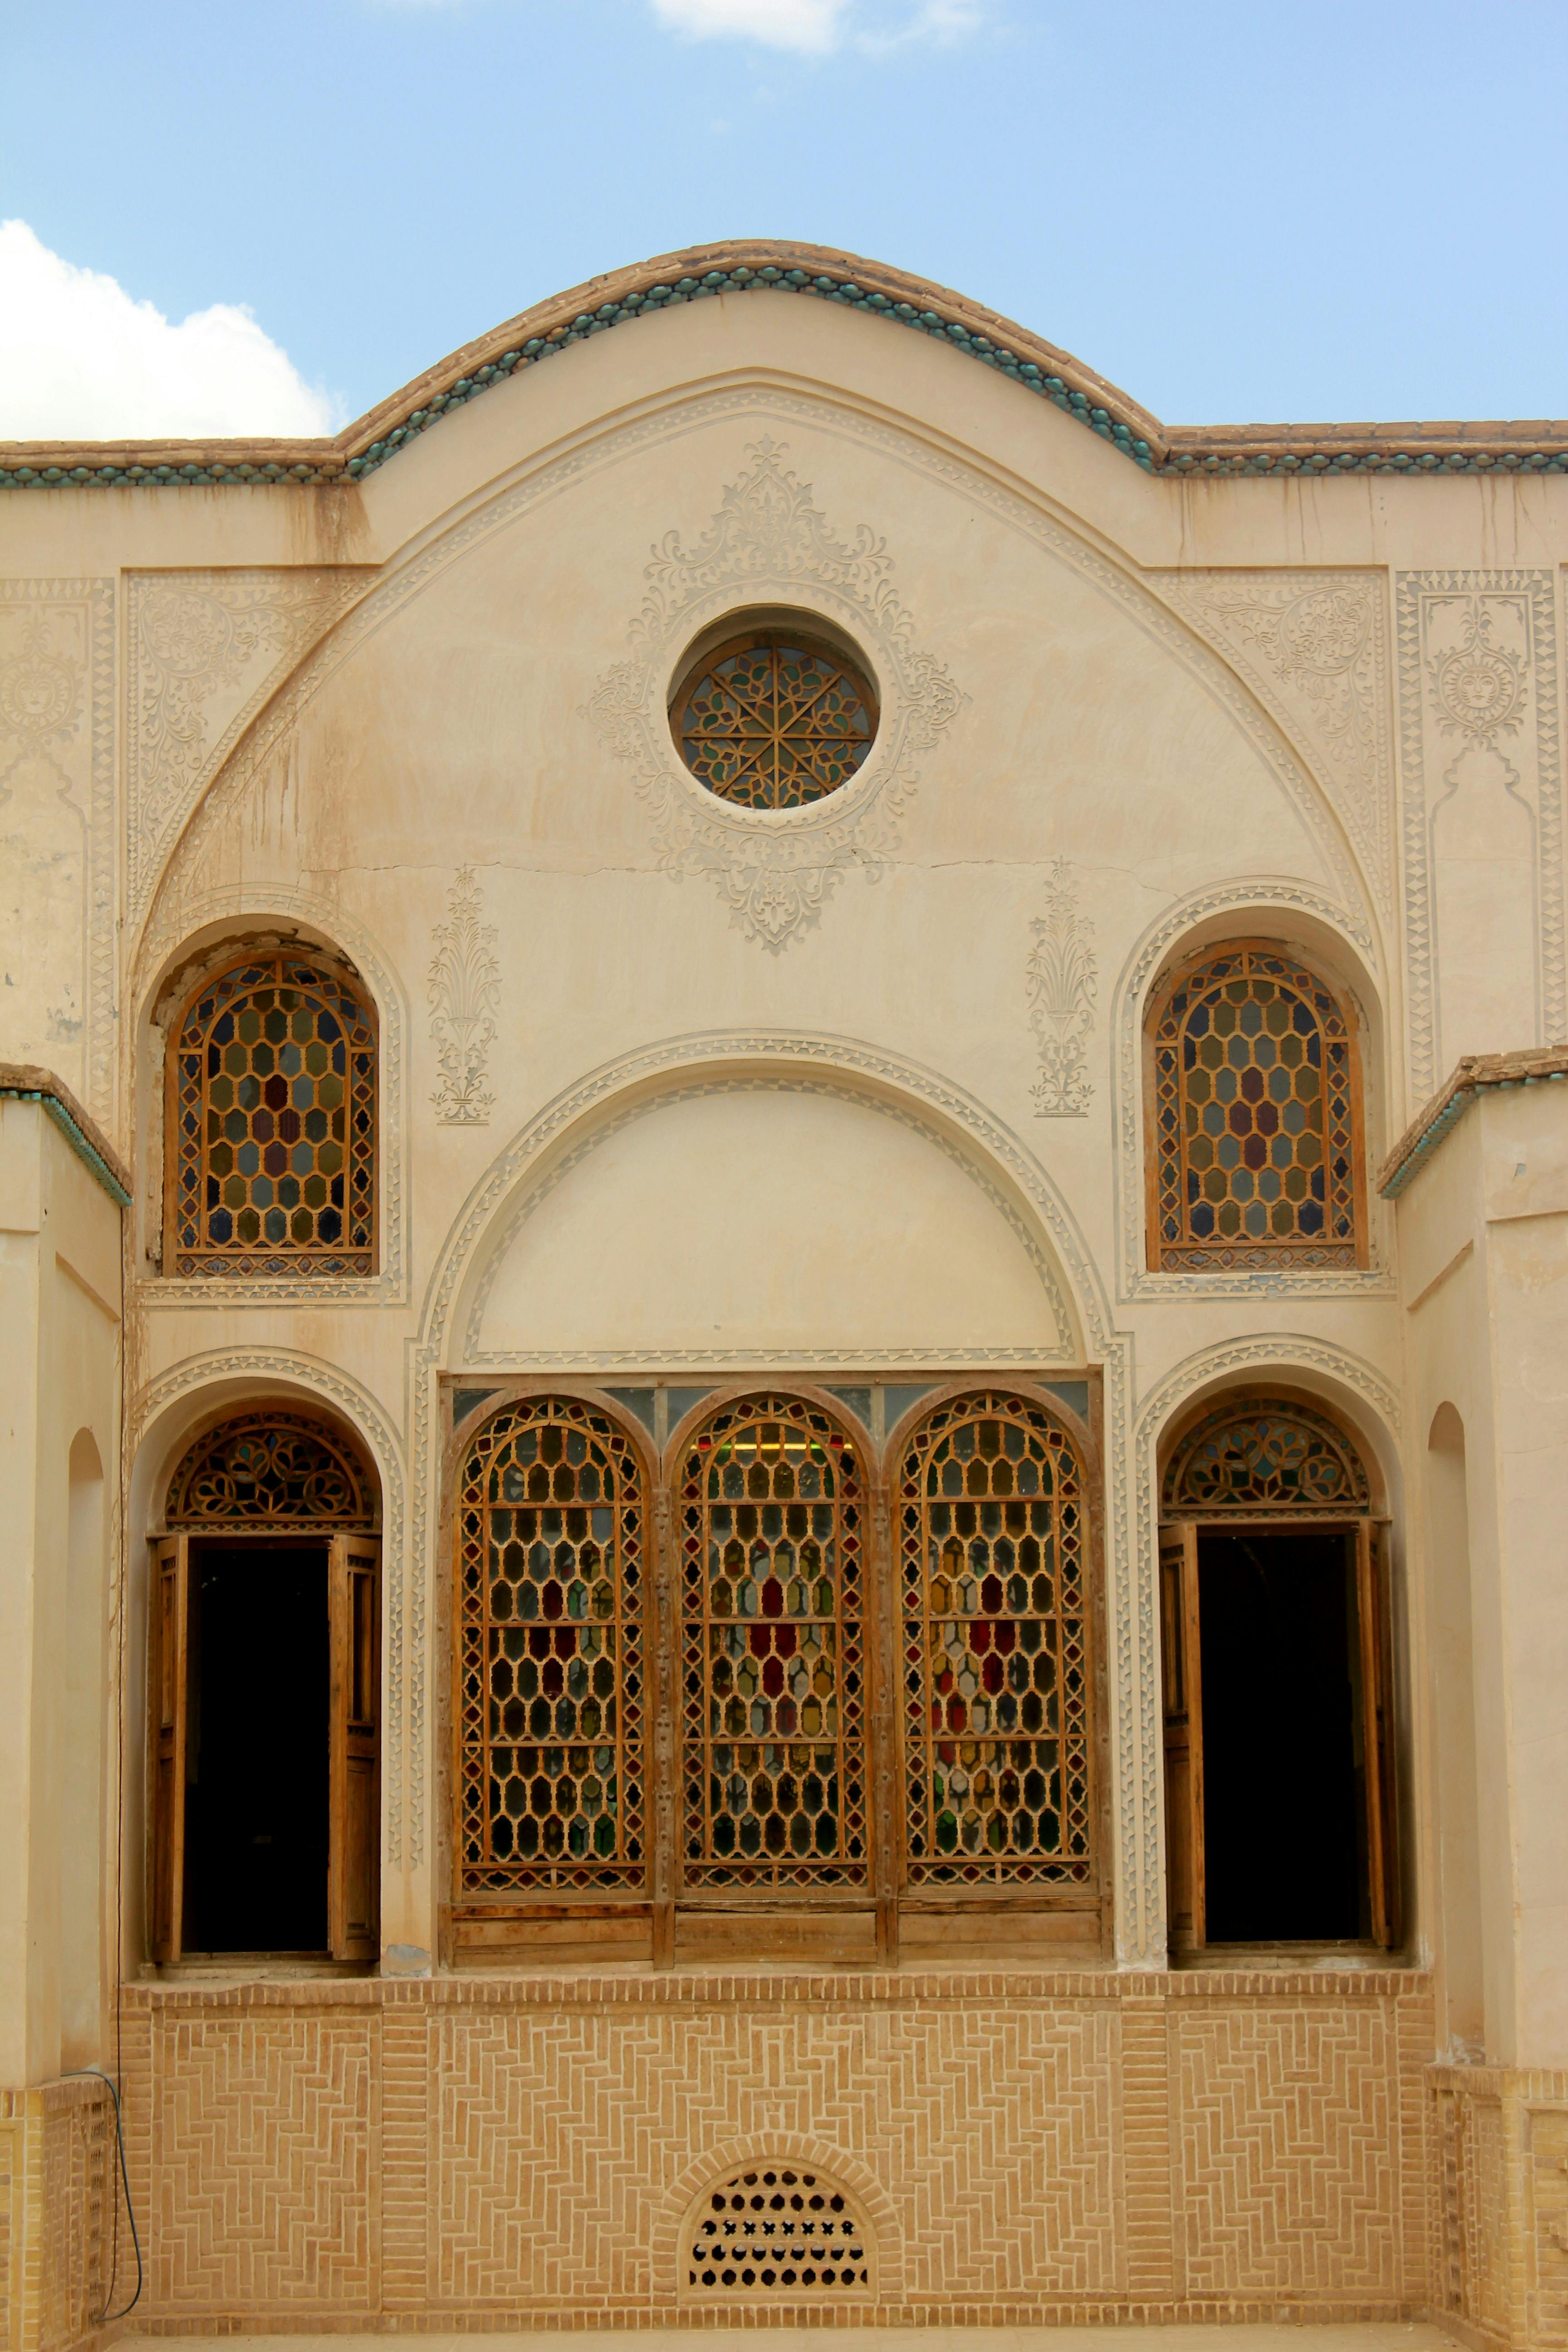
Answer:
(266, 1689)
(1276, 1636)
(271, 1121)
(551, 1680)
(995, 1649)
(774, 1669)
(1254, 1119)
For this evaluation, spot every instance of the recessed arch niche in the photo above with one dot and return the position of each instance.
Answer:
(758, 1218)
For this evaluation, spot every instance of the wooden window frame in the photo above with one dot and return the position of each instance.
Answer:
(286, 1260)
(354, 1573)
(1180, 1533)
(650, 1921)
(1197, 1257)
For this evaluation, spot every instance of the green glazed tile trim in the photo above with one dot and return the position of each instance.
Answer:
(1179, 466)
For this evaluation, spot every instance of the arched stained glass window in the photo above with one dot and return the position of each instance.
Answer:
(776, 718)
(1255, 1117)
(550, 1699)
(995, 1649)
(271, 1121)
(774, 1672)
(1263, 1456)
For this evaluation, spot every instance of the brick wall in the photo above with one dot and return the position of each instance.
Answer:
(480, 2150)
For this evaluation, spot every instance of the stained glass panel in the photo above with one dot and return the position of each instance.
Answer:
(996, 1652)
(1260, 1456)
(551, 1692)
(271, 1472)
(774, 1679)
(272, 1124)
(774, 720)
(1255, 1117)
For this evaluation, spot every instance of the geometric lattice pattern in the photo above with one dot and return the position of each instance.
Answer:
(995, 1668)
(268, 1472)
(271, 1121)
(789, 2233)
(774, 1668)
(772, 722)
(550, 1698)
(1261, 1455)
(1255, 1117)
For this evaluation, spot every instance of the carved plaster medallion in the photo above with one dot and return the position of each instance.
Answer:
(770, 544)
(463, 982)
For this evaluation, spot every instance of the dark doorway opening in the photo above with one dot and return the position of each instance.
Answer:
(257, 1791)
(1284, 1794)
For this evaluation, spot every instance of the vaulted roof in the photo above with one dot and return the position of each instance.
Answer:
(756, 266)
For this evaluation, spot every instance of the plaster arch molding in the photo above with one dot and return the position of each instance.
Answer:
(765, 540)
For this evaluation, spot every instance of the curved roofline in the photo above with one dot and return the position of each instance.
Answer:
(745, 266)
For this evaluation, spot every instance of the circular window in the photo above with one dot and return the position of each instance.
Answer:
(783, 2230)
(774, 718)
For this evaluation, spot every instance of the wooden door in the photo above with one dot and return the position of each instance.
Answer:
(1183, 1694)
(1374, 1614)
(354, 1848)
(169, 1617)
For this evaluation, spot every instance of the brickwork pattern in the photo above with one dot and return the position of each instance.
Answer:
(1501, 2205)
(486, 2150)
(57, 2184)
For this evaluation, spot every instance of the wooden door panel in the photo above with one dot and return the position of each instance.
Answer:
(1374, 1613)
(169, 1626)
(354, 1843)
(1181, 1675)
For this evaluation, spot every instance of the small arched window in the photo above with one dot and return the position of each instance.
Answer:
(1256, 1120)
(271, 1120)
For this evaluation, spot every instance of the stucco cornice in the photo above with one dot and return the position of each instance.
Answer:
(24, 1082)
(747, 266)
(1475, 1074)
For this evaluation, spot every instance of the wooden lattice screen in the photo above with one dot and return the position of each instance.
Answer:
(995, 1649)
(271, 1120)
(1256, 1119)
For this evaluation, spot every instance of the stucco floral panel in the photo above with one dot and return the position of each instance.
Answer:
(206, 650)
(769, 543)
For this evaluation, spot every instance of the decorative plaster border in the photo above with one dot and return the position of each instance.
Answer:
(375, 1425)
(269, 735)
(1135, 1280)
(1066, 1351)
(1135, 1725)
(260, 903)
(1419, 808)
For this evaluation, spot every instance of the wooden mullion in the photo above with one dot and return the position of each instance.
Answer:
(882, 1594)
(663, 1751)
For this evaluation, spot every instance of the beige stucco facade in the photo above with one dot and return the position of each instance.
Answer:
(674, 1096)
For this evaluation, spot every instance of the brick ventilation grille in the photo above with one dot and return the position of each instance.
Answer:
(786, 2232)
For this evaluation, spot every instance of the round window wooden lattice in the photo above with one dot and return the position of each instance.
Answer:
(779, 2231)
(775, 719)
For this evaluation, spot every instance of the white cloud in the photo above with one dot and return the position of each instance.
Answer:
(80, 360)
(813, 27)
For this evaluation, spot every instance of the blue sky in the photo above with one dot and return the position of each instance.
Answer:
(1237, 214)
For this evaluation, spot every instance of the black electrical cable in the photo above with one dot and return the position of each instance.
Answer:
(102, 2319)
